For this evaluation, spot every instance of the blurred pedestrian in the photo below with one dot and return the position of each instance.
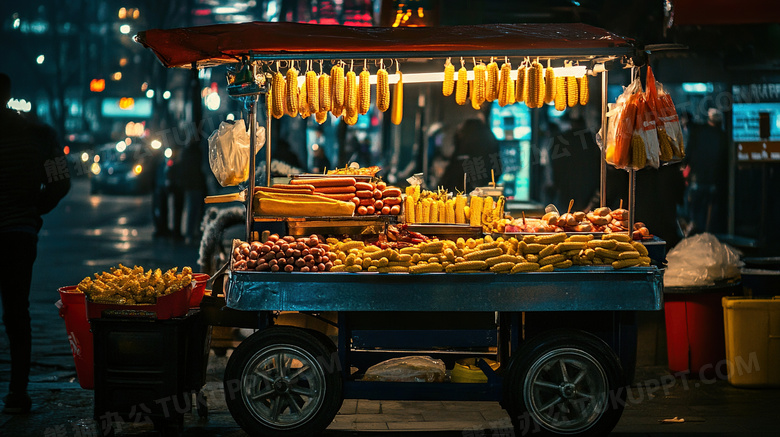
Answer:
(320, 161)
(174, 182)
(160, 195)
(34, 177)
(476, 153)
(575, 162)
(193, 184)
(707, 157)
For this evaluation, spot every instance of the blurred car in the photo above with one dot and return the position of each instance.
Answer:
(122, 169)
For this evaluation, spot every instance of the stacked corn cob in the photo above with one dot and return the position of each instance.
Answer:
(531, 254)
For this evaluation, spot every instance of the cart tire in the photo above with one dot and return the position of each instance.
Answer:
(299, 398)
(564, 382)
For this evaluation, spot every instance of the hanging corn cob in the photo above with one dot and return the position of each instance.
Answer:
(382, 90)
(584, 92)
(534, 97)
(324, 95)
(312, 91)
(350, 120)
(480, 84)
(350, 94)
(277, 95)
(521, 86)
(321, 116)
(560, 93)
(462, 85)
(337, 90)
(549, 84)
(506, 86)
(291, 92)
(572, 94)
(398, 100)
(303, 100)
(364, 91)
(449, 78)
(474, 102)
(491, 85)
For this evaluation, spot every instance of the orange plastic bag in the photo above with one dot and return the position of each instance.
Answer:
(668, 129)
(622, 116)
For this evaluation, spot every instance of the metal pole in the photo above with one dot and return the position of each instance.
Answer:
(267, 140)
(252, 145)
(631, 200)
(603, 175)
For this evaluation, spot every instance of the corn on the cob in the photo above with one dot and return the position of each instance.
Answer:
(606, 253)
(324, 93)
(502, 267)
(665, 144)
(622, 238)
(556, 238)
(624, 246)
(450, 214)
(488, 245)
(409, 250)
(638, 157)
(449, 79)
(583, 238)
(639, 247)
(425, 211)
(433, 211)
(303, 101)
(313, 91)
(571, 245)
(482, 254)
(626, 263)
(277, 95)
(547, 268)
(628, 255)
(432, 247)
(480, 83)
(382, 90)
(337, 87)
(551, 259)
(549, 84)
(460, 203)
(606, 244)
(321, 117)
(350, 95)
(409, 209)
(394, 269)
(645, 260)
(476, 211)
(506, 86)
(364, 92)
(487, 210)
(521, 85)
(533, 248)
(467, 265)
(462, 86)
(548, 250)
(350, 120)
(491, 85)
(426, 268)
(560, 93)
(531, 258)
(563, 264)
(398, 101)
(474, 101)
(572, 94)
(498, 211)
(291, 92)
(584, 91)
(524, 267)
(442, 214)
(536, 87)
(349, 245)
(500, 259)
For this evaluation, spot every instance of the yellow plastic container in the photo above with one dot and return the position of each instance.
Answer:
(466, 370)
(752, 328)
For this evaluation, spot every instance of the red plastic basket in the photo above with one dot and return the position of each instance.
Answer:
(199, 289)
(171, 305)
(74, 313)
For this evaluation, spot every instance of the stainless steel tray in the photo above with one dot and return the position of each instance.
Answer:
(446, 230)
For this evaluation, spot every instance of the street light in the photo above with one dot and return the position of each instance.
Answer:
(149, 94)
(124, 29)
(167, 95)
(40, 59)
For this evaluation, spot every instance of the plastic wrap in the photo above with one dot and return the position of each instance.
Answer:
(699, 261)
(407, 369)
(229, 152)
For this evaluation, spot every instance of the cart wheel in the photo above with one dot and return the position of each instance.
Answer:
(282, 381)
(564, 382)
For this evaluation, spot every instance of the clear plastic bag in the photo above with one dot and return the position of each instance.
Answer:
(407, 369)
(667, 122)
(701, 260)
(622, 116)
(229, 152)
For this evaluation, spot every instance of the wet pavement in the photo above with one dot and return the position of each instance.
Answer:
(86, 234)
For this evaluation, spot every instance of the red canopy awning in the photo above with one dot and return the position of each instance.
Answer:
(211, 45)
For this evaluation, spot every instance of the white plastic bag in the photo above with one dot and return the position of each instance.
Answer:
(229, 152)
(407, 369)
(701, 260)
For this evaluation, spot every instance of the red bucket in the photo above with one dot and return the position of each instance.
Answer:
(200, 288)
(74, 311)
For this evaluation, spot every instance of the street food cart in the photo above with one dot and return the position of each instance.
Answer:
(564, 340)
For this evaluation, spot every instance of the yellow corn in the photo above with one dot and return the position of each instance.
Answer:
(547, 268)
(350, 95)
(559, 237)
(349, 245)
(480, 84)
(398, 101)
(584, 92)
(324, 93)
(531, 258)
(462, 86)
(628, 255)
(382, 90)
(277, 95)
(409, 209)
(606, 253)
(551, 259)
(482, 254)
(571, 245)
(529, 239)
(431, 247)
(502, 267)
(491, 86)
(426, 268)
(291, 92)
(488, 245)
(303, 101)
(474, 102)
(364, 92)
(623, 238)
(449, 79)
(396, 269)
(442, 211)
(563, 264)
(380, 254)
(433, 211)
(521, 86)
(487, 210)
(351, 120)
(534, 97)
(506, 86)
(409, 250)
(467, 265)
(313, 90)
(638, 157)
(476, 211)
(560, 94)
(665, 144)
(548, 250)
(572, 94)
(338, 268)
(626, 263)
(498, 211)
(570, 253)
(639, 247)
(500, 259)
(524, 267)
(337, 87)
(623, 247)
(321, 117)
(606, 244)
(645, 260)
(450, 214)
(534, 248)
(578, 238)
(460, 204)
(549, 85)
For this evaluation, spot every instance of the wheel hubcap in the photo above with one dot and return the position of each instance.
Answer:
(283, 386)
(565, 390)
